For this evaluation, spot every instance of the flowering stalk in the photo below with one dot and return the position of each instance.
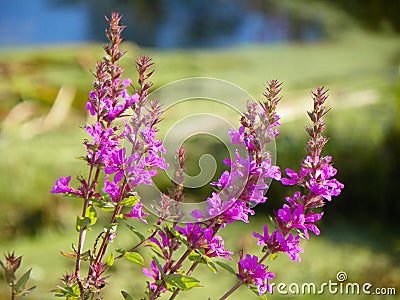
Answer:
(203, 243)
(316, 179)
(109, 102)
(10, 267)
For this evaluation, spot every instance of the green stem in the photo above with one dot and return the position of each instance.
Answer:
(104, 244)
(12, 290)
(83, 229)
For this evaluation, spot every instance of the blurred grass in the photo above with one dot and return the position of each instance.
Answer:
(37, 224)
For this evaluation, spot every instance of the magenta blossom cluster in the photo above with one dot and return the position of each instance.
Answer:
(251, 271)
(203, 238)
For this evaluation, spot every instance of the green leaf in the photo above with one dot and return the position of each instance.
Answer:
(156, 249)
(111, 227)
(66, 254)
(104, 202)
(91, 214)
(134, 257)
(203, 259)
(174, 232)
(137, 233)
(81, 158)
(71, 293)
(28, 291)
(110, 259)
(120, 217)
(226, 267)
(182, 282)
(193, 256)
(130, 201)
(126, 295)
(85, 255)
(81, 222)
(160, 269)
(212, 267)
(21, 283)
(273, 256)
(120, 250)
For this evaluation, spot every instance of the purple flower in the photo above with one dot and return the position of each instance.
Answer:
(204, 238)
(154, 274)
(137, 213)
(294, 177)
(325, 186)
(112, 189)
(165, 241)
(153, 160)
(251, 271)
(237, 137)
(215, 247)
(90, 104)
(316, 174)
(101, 104)
(167, 246)
(216, 205)
(222, 181)
(104, 141)
(197, 215)
(137, 174)
(115, 163)
(239, 211)
(292, 247)
(295, 217)
(269, 170)
(62, 187)
(276, 242)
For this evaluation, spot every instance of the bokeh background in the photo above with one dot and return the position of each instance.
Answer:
(48, 47)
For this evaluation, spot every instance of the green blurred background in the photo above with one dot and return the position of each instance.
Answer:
(49, 47)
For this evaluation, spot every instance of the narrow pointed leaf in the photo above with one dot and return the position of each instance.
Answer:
(159, 267)
(126, 295)
(273, 256)
(130, 201)
(181, 282)
(28, 291)
(66, 254)
(134, 257)
(110, 259)
(137, 233)
(226, 267)
(21, 283)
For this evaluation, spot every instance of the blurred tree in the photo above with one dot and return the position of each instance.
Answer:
(372, 14)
